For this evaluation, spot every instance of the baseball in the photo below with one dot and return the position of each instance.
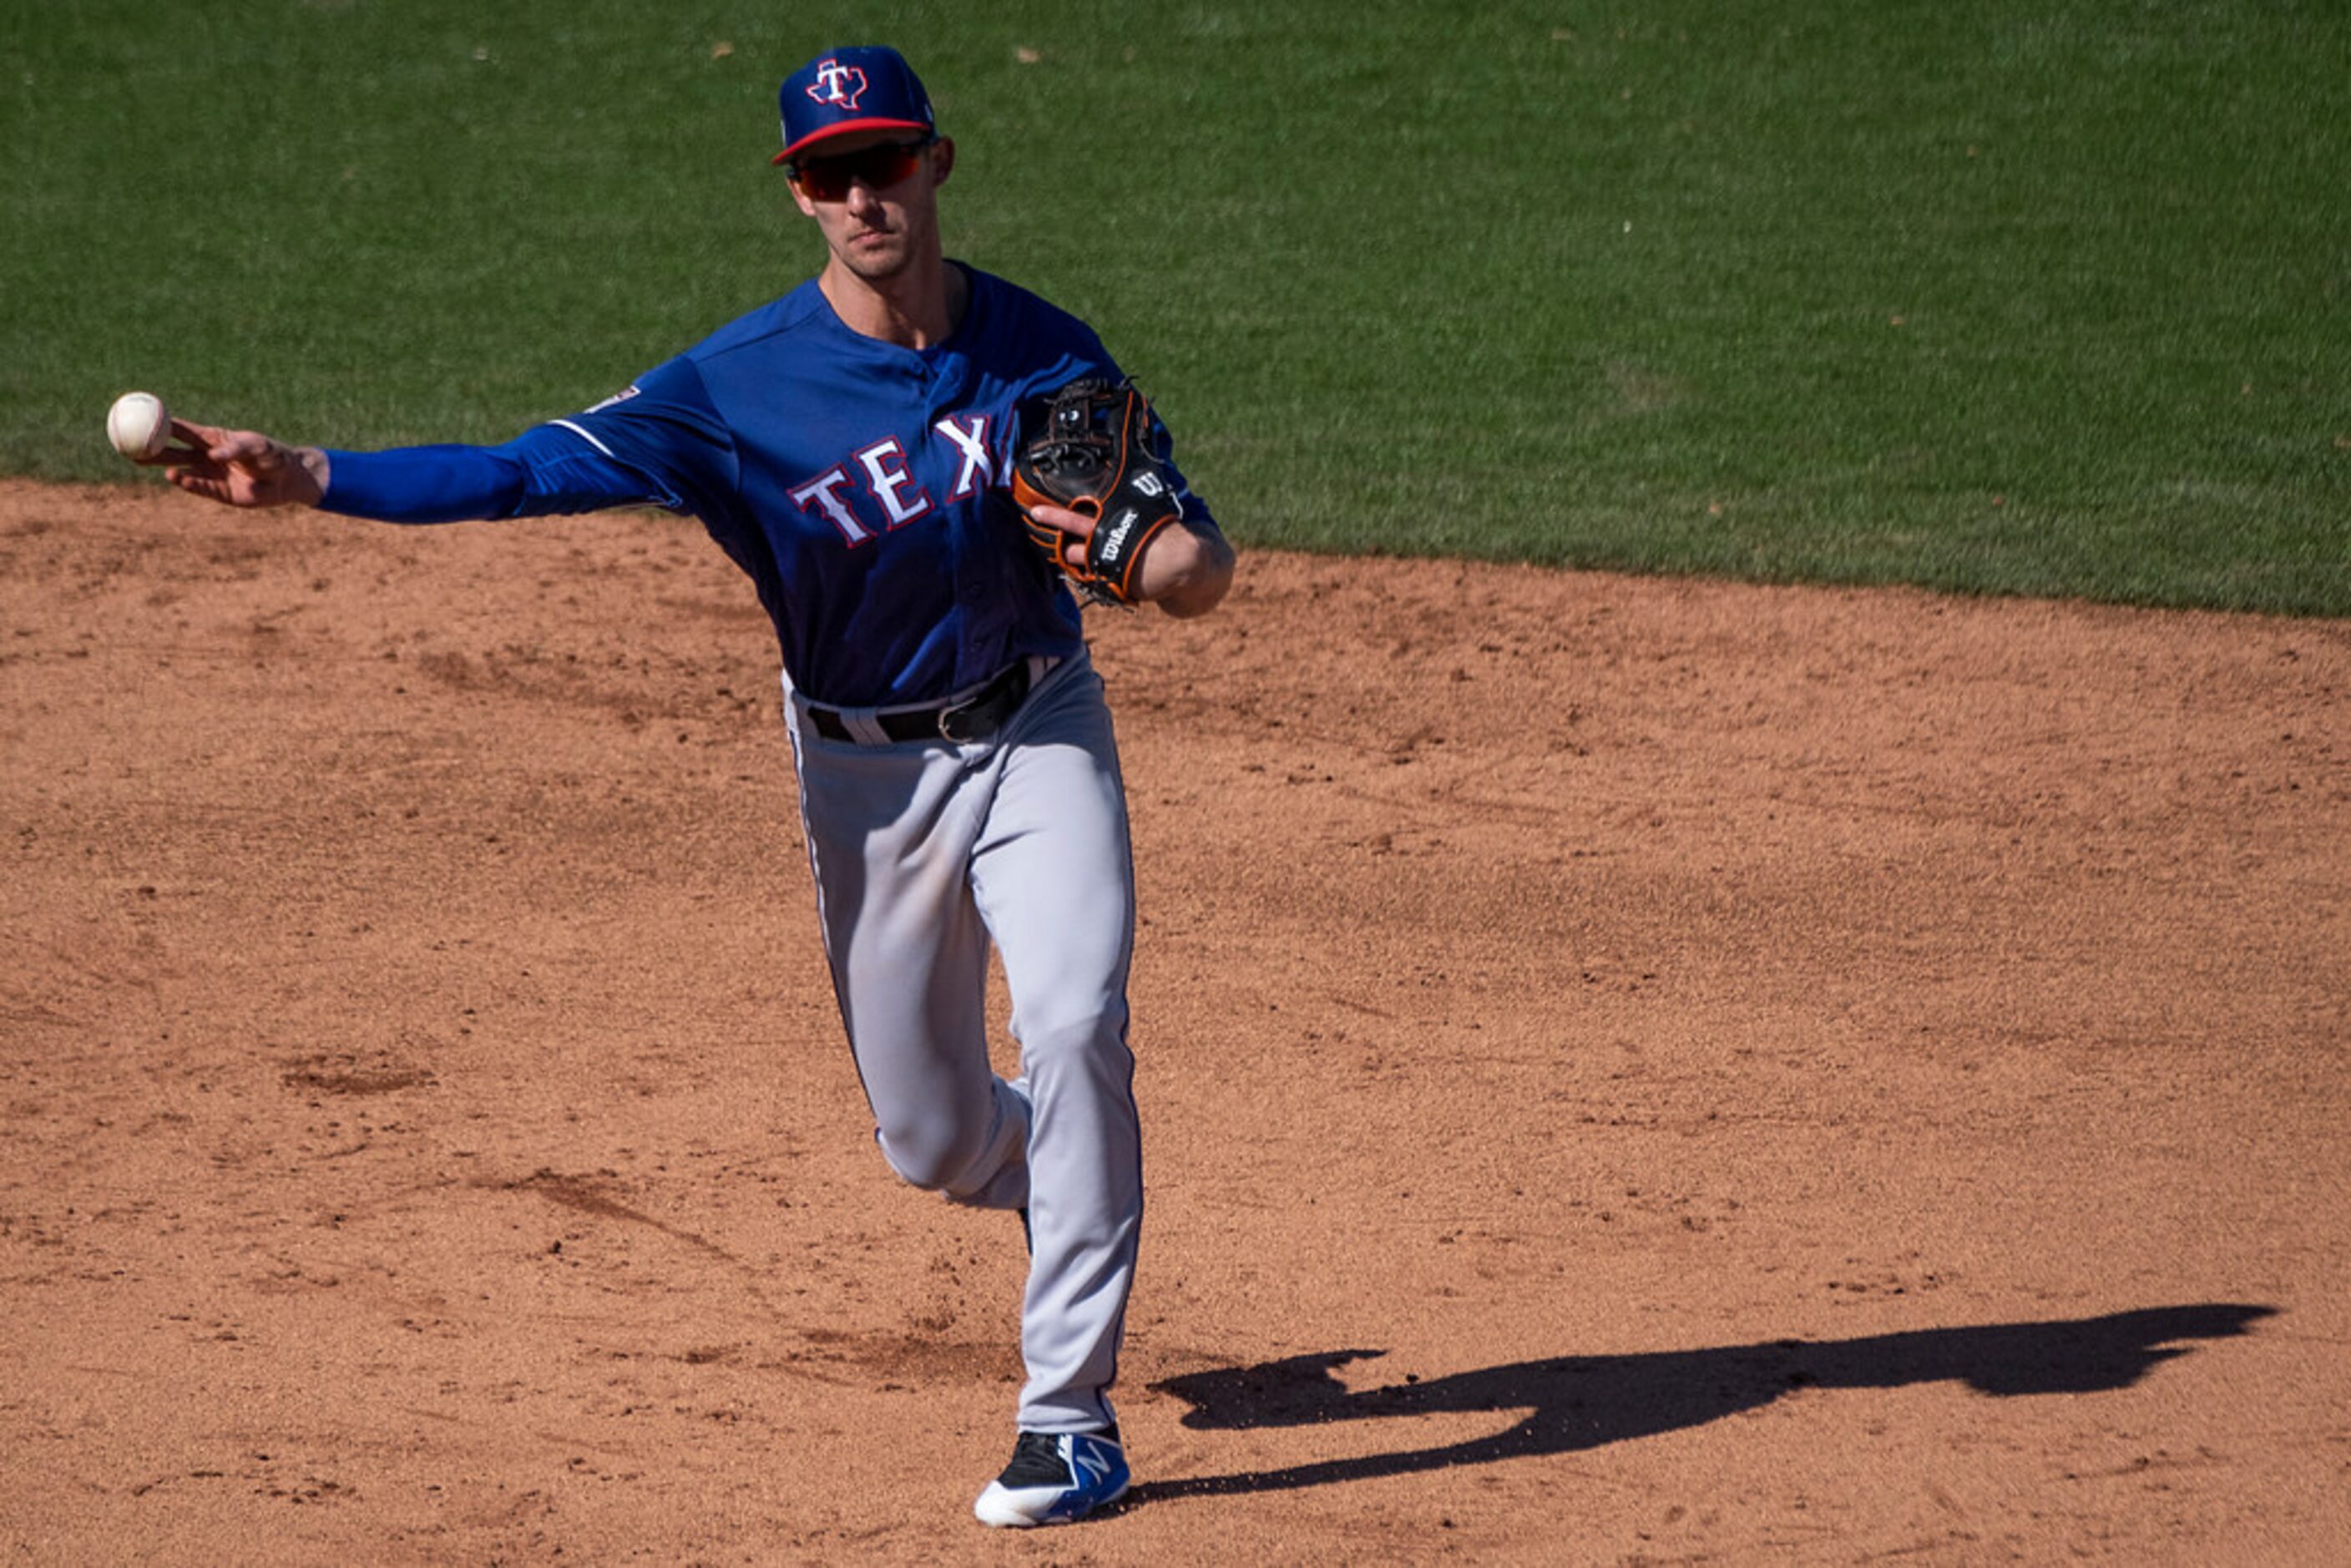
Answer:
(139, 425)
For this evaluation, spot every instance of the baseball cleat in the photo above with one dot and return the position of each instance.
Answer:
(1055, 1477)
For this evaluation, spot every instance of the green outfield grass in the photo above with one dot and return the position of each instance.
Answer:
(2019, 296)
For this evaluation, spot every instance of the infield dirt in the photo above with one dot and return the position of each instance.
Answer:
(1632, 1072)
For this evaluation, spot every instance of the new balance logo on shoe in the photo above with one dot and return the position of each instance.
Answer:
(1055, 1477)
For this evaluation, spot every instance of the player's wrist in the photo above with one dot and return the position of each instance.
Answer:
(314, 462)
(1186, 571)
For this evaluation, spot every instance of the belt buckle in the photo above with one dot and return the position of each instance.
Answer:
(948, 717)
(990, 700)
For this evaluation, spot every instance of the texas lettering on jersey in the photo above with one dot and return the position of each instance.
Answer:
(872, 492)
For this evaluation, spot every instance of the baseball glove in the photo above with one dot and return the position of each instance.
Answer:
(1087, 447)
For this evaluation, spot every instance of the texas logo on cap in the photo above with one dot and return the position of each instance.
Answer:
(838, 85)
(866, 87)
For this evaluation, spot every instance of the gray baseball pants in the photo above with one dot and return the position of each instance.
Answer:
(925, 852)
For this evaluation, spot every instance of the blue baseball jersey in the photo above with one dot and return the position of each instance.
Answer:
(861, 485)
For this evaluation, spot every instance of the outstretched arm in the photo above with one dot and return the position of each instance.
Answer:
(548, 468)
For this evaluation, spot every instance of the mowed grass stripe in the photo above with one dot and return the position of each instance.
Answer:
(2007, 298)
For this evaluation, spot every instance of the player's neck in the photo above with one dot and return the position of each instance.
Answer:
(918, 309)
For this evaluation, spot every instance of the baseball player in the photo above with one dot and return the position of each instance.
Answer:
(852, 448)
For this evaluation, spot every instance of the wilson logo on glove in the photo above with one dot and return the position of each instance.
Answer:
(1087, 448)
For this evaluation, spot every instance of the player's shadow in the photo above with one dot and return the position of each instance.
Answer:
(1584, 1402)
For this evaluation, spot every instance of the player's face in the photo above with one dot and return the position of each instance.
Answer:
(875, 195)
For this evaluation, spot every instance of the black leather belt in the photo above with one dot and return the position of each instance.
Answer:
(975, 718)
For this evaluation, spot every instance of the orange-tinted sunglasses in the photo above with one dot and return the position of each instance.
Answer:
(829, 179)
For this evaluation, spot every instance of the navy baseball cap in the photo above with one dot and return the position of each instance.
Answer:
(867, 87)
